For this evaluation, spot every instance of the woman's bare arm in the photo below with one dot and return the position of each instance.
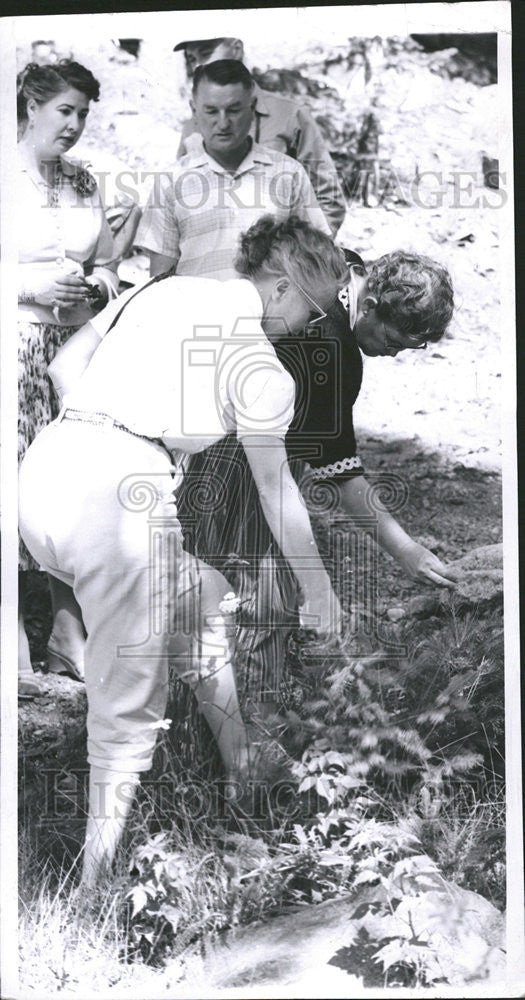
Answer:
(73, 358)
(417, 561)
(289, 522)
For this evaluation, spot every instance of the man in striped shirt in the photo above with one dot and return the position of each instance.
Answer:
(196, 213)
(278, 122)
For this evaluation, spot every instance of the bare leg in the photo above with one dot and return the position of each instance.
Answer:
(247, 753)
(28, 682)
(111, 794)
(67, 639)
(216, 694)
(205, 660)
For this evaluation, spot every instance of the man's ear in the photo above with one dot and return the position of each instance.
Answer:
(192, 105)
(237, 49)
(369, 303)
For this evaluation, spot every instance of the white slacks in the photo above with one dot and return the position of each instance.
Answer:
(97, 510)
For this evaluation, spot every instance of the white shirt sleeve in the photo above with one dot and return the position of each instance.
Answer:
(103, 320)
(262, 395)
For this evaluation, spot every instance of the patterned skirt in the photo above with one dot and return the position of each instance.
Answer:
(37, 401)
(223, 523)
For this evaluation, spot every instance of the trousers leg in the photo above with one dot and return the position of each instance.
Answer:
(114, 535)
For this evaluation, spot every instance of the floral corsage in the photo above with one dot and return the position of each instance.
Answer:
(83, 182)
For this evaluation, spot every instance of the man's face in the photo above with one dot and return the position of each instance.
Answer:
(223, 115)
(199, 55)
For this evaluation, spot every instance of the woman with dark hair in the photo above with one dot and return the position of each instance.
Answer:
(163, 373)
(400, 302)
(66, 275)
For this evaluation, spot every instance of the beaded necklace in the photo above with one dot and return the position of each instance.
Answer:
(80, 179)
(56, 186)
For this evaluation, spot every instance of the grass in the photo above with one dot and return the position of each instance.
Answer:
(211, 871)
(65, 943)
(423, 735)
(79, 946)
(466, 837)
(72, 944)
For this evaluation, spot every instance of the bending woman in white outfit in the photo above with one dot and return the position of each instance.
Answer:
(181, 364)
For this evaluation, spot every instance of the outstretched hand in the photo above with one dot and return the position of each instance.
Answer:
(421, 564)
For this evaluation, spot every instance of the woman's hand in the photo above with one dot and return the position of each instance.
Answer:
(60, 288)
(289, 522)
(421, 564)
(321, 611)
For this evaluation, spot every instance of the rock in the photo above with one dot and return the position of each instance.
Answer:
(429, 541)
(482, 557)
(422, 606)
(283, 950)
(465, 932)
(395, 614)
(480, 585)
(52, 726)
(305, 948)
(51, 746)
(480, 574)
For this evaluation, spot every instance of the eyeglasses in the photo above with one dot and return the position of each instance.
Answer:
(408, 342)
(321, 314)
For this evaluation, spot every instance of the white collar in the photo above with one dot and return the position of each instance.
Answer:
(199, 157)
(349, 296)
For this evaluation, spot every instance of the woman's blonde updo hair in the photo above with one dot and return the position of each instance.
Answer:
(292, 247)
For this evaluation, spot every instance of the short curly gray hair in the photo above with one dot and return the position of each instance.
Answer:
(413, 292)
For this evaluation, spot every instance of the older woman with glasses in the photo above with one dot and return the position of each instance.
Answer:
(402, 301)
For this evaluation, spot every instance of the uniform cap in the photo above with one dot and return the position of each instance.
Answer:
(198, 41)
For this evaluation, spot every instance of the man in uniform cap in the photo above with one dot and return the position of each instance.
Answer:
(279, 123)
